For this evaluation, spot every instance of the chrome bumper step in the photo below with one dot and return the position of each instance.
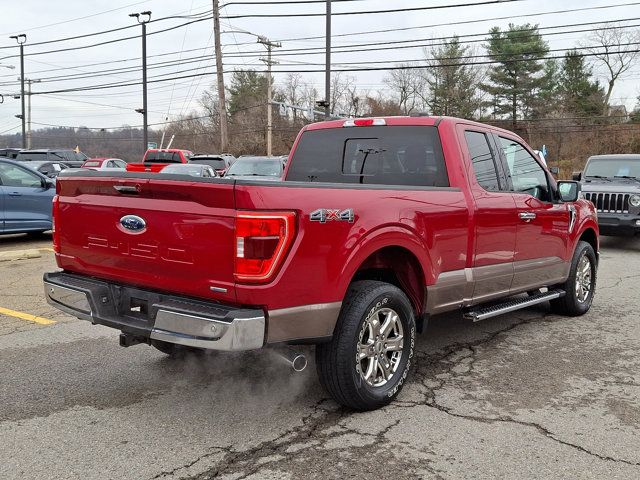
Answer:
(513, 305)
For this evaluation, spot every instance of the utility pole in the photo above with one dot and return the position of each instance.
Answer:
(21, 39)
(222, 104)
(143, 18)
(270, 45)
(327, 73)
(29, 83)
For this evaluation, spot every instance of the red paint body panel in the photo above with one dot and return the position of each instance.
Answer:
(189, 244)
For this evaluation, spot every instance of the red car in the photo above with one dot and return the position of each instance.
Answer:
(378, 224)
(156, 159)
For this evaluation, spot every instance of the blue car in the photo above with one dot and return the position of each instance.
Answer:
(25, 199)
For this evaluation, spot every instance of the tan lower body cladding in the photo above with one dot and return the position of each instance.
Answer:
(472, 286)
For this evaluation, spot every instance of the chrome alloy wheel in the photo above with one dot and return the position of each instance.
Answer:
(584, 280)
(380, 347)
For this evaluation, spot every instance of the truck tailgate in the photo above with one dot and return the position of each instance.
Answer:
(185, 244)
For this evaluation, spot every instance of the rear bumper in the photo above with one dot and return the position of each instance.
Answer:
(626, 225)
(148, 315)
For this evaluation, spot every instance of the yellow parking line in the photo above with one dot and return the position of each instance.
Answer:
(26, 316)
(46, 249)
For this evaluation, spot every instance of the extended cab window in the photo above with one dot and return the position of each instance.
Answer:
(377, 155)
(484, 164)
(527, 176)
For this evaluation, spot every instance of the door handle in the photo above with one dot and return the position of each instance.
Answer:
(527, 216)
(15, 194)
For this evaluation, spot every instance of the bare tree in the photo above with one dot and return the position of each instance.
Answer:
(409, 86)
(293, 91)
(340, 86)
(616, 50)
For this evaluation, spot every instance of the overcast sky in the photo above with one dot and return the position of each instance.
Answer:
(44, 20)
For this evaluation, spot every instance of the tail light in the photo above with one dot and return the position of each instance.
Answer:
(262, 241)
(54, 220)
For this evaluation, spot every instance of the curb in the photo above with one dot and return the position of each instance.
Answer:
(19, 255)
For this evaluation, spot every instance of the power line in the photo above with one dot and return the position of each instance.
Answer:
(464, 22)
(398, 61)
(185, 61)
(379, 31)
(103, 32)
(373, 12)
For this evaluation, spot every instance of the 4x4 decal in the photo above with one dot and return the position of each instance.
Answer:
(324, 215)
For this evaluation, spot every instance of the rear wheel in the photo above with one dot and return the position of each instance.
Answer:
(370, 356)
(581, 285)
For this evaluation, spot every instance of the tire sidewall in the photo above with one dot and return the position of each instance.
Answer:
(394, 299)
(583, 248)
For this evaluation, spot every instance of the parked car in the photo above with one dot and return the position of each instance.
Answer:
(105, 164)
(256, 168)
(10, 153)
(612, 184)
(48, 169)
(219, 162)
(25, 199)
(378, 224)
(194, 170)
(70, 157)
(155, 159)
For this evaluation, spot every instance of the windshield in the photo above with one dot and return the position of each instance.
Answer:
(258, 167)
(217, 163)
(613, 167)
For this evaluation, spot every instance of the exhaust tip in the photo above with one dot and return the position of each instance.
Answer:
(299, 363)
(297, 360)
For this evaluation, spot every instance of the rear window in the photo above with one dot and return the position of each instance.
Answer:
(380, 155)
(217, 163)
(162, 157)
(32, 156)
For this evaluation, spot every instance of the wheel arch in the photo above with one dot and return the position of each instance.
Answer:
(590, 236)
(396, 257)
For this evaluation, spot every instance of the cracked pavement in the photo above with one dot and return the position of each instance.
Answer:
(526, 395)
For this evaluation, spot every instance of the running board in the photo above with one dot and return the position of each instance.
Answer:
(512, 306)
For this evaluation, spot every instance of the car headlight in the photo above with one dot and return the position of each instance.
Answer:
(634, 200)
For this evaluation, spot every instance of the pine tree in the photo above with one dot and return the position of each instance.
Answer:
(517, 79)
(580, 95)
(452, 84)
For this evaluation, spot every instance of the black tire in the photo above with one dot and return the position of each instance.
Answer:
(571, 305)
(37, 234)
(339, 367)
(175, 351)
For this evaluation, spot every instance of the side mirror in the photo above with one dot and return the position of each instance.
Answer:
(49, 183)
(554, 170)
(569, 191)
(577, 176)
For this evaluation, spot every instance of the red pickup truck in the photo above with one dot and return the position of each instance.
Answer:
(378, 224)
(155, 159)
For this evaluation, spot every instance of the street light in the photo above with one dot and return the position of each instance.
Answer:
(21, 39)
(143, 18)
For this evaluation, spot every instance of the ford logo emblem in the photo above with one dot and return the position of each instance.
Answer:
(133, 224)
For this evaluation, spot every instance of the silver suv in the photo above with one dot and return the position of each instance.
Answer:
(612, 184)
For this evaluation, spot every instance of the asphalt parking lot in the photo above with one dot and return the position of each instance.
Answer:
(526, 395)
